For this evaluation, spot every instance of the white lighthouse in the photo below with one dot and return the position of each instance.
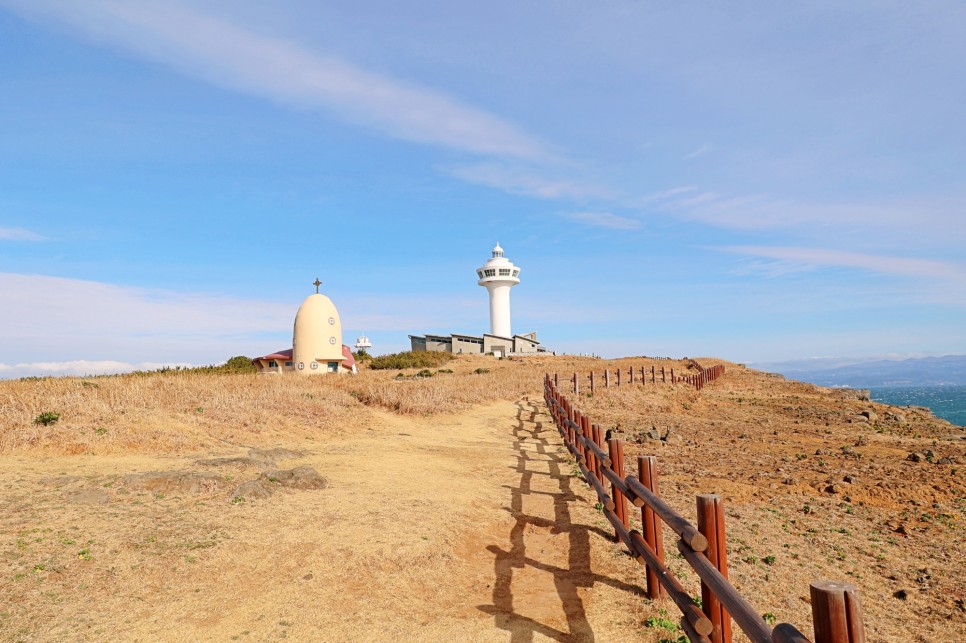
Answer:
(498, 275)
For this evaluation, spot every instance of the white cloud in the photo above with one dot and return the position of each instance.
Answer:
(701, 151)
(81, 368)
(933, 220)
(58, 325)
(229, 55)
(808, 258)
(525, 182)
(664, 195)
(19, 234)
(604, 220)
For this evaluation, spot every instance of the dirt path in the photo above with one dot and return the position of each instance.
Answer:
(464, 528)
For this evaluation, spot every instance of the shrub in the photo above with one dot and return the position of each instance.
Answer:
(410, 359)
(239, 364)
(362, 356)
(47, 418)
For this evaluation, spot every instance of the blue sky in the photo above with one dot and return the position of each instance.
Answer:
(756, 181)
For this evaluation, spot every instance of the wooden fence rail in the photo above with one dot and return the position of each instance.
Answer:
(836, 611)
(665, 375)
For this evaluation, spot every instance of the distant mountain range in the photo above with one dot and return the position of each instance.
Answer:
(921, 371)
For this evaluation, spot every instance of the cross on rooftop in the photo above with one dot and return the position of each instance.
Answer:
(316, 283)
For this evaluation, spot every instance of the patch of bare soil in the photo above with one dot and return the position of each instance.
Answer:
(467, 528)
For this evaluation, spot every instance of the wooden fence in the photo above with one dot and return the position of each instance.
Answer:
(640, 376)
(836, 612)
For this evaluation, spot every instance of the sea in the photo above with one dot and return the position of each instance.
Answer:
(947, 402)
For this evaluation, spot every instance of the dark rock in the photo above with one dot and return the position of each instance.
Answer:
(174, 482)
(901, 594)
(241, 461)
(89, 497)
(297, 478)
(253, 490)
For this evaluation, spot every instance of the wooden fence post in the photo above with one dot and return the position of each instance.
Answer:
(653, 533)
(672, 375)
(618, 377)
(836, 612)
(591, 382)
(592, 463)
(571, 413)
(556, 383)
(653, 375)
(595, 436)
(711, 524)
(616, 453)
(663, 376)
(576, 385)
(578, 429)
(630, 373)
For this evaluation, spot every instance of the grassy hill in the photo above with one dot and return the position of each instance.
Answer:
(817, 483)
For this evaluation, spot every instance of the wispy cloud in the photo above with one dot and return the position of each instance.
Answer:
(57, 325)
(528, 182)
(935, 220)
(229, 55)
(603, 220)
(810, 258)
(19, 234)
(701, 151)
(664, 195)
(81, 367)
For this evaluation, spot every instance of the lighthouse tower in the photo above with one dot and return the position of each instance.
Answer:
(498, 275)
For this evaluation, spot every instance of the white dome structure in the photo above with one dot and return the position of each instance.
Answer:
(498, 275)
(316, 342)
(317, 337)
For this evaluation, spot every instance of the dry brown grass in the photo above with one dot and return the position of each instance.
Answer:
(170, 412)
(448, 392)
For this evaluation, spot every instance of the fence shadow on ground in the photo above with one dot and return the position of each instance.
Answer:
(543, 472)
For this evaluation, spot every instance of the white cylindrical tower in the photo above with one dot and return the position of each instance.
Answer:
(498, 275)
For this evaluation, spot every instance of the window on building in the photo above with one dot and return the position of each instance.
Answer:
(333, 367)
(516, 272)
(491, 272)
(480, 273)
(504, 272)
(288, 363)
(272, 364)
